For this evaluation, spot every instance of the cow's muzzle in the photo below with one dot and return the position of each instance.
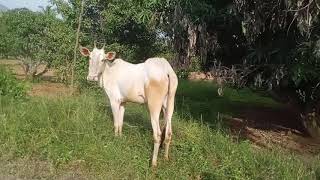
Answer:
(92, 78)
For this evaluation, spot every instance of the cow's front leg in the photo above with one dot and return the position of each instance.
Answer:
(120, 120)
(115, 107)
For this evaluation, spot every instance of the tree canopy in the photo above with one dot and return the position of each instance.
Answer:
(35, 38)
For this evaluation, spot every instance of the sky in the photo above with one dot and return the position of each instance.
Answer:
(30, 4)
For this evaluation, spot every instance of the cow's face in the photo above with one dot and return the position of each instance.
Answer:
(97, 60)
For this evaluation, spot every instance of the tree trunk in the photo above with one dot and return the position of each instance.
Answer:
(191, 40)
(76, 44)
(31, 69)
(311, 120)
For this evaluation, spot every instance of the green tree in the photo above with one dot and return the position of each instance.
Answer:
(117, 24)
(36, 38)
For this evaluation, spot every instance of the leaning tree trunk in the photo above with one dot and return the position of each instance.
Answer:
(311, 120)
(191, 40)
(31, 68)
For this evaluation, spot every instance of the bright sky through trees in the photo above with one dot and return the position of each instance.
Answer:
(33, 5)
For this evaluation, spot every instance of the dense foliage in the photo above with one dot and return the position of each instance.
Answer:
(113, 23)
(285, 36)
(35, 38)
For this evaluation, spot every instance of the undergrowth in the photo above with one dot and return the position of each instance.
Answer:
(10, 86)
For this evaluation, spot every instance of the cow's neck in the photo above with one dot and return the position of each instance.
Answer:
(101, 75)
(106, 73)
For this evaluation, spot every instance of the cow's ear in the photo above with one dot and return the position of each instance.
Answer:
(84, 51)
(111, 55)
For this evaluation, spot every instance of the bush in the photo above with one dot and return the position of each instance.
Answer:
(10, 86)
(183, 73)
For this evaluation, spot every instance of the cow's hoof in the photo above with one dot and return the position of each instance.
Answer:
(154, 165)
(166, 157)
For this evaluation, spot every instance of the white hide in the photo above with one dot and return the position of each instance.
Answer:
(125, 82)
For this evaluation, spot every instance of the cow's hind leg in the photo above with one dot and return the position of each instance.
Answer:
(168, 128)
(155, 109)
(168, 134)
(156, 93)
(163, 131)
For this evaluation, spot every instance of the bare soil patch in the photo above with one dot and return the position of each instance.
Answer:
(201, 76)
(16, 67)
(266, 127)
(49, 89)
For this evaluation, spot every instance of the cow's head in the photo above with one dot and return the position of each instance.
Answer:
(97, 60)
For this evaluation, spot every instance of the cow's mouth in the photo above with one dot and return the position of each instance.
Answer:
(92, 78)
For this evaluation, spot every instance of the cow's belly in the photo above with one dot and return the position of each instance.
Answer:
(136, 99)
(134, 94)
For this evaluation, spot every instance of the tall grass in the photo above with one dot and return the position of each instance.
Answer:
(79, 129)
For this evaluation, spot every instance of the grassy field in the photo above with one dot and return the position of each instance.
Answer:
(72, 137)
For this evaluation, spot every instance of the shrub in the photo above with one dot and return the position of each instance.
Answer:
(183, 73)
(10, 86)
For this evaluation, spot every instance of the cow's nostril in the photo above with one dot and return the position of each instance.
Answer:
(92, 78)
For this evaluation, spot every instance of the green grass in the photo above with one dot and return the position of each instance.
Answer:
(201, 101)
(69, 130)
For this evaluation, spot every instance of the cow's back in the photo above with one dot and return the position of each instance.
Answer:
(157, 68)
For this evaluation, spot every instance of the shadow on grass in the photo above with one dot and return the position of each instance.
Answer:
(200, 101)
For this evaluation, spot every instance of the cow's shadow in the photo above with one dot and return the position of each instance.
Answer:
(136, 116)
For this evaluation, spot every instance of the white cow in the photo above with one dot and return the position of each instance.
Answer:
(153, 82)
